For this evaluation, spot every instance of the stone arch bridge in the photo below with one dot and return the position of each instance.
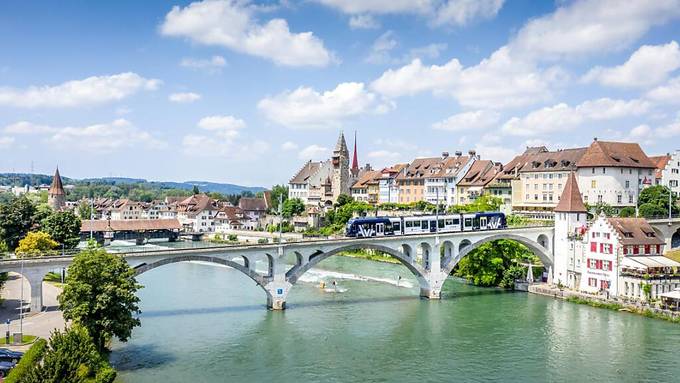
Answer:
(430, 257)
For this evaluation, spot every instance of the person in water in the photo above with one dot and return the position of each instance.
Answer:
(322, 285)
(398, 280)
(335, 285)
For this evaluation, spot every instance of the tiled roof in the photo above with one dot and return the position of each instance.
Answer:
(366, 178)
(571, 201)
(449, 167)
(555, 161)
(57, 188)
(419, 168)
(635, 231)
(661, 162)
(615, 154)
(480, 174)
(196, 203)
(252, 204)
(307, 171)
(130, 225)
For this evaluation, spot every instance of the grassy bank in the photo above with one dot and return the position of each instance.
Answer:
(619, 307)
(371, 255)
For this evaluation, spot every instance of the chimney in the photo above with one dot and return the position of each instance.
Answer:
(472, 153)
(594, 138)
(459, 153)
(445, 154)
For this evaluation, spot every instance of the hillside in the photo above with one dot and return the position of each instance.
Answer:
(204, 186)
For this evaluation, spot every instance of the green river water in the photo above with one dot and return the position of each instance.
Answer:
(205, 323)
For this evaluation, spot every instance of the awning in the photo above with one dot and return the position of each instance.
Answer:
(645, 262)
(675, 294)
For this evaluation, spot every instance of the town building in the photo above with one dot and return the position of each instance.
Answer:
(367, 187)
(196, 213)
(474, 182)
(570, 226)
(254, 209)
(440, 184)
(614, 173)
(387, 186)
(668, 171)
(123, 209)
(411, 181)
(56, 196)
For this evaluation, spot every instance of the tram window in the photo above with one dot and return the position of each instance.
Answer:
(456, 221)
(468, 222)
(441, 223)
(423, 225)
(449, 222)
(396, 226)
(409, 224)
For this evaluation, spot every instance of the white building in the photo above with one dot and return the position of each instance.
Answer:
(196, 213)
(440, 183)
(388, 187)
(614, 173)
(570, 226)
(668, 171)
(125, 209)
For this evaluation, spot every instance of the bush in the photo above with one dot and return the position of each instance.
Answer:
(36, 244)
(232, 237)
(262, 241)
(28, 362)
(627, 211)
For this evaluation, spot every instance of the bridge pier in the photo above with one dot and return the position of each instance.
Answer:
(431, 287)
(35, 281)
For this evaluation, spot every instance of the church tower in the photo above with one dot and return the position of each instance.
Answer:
(355, 159)
(340, 162)
(570, 223)
(56, 197)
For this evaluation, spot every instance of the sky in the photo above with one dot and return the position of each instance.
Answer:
(246, 92)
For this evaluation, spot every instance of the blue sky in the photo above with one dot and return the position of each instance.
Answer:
(246, 92)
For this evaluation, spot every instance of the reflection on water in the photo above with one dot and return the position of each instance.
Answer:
(202, 323)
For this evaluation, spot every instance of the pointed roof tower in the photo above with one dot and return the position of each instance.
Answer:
(355, 160)
(341, 146)
(57, 188)
(571, 201)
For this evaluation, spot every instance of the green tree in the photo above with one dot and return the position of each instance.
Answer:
(293, 207)
(343, 199)
(657, 196)
(85, 210)
(627, 211)
(71, 356)
(278, 192)
(486, 265)
(16, 219)
(100, 295)
(651, 210)
(63, 227)
(195, 190)
(36, 243)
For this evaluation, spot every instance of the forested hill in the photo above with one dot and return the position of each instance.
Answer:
(21, 179)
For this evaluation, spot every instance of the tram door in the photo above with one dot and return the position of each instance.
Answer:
(380, 229)
(433, 226)
(482, 223)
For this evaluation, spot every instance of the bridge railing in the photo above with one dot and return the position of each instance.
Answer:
(663, 217)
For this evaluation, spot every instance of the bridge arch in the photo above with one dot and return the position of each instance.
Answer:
(294, 274)
(544, 254)
(257, 278)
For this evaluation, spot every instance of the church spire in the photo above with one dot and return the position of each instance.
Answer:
(56, 196)
(341, 146)
(355, 160)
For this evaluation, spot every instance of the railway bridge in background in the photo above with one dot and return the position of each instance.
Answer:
(429, 257)
(669, 230)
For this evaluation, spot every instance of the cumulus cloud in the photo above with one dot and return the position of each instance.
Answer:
(6, 141)
(76, 93)
(305, 108)
(231, 24)
(562, 117)
(223, 126)
(314, 152)
(380, 50)
(474, 120)
(463, 12)
(647, 66)
(184, 98)
(197, 145)
(668, 93)
(591, 27)
(379, 6)
(211, 65)
(105, 137)
(363, 22)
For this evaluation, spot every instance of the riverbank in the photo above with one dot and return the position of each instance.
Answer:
(369, 255)
(609, 304)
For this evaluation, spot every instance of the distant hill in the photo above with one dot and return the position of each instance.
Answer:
(204, 186)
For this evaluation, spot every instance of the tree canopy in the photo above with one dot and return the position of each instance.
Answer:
(63, 227)
(487, 264)
(653, 201)
(278, 192)
(100, 295)
(36, 243)
(16, 219)
(293, 207)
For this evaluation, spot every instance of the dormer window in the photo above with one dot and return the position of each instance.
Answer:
(627, 234)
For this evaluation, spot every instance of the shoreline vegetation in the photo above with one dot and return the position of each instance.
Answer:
(370, 255)
(613, 306)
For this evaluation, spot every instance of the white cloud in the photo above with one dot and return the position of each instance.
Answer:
(306, 108)
(6, 141)
(363, 22)
(669, 92)
(211, 65)
(463, 12)
(314, 152)
(184, 98)
(289, 145)
(497, 153)
(90, 91)
(384, 155)
(497, 82)
(232, 24)
(222, 126)
(562, 117)
(591, 27)
(474, 120)
(649, 65)
(379, 6)
(105, 137)
(431, 51)
(380, 50)
(669, 130)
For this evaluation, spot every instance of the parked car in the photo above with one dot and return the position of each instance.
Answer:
(5, 368)
(10, 356)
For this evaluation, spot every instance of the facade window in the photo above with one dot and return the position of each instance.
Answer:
(593, 247)
(627, 184)
(599, 198)
(585, 198)
(630, 198)
(604, 170)
(592, 282)
(535, 197)
(593, 170)
(619, 198)
(593, 184)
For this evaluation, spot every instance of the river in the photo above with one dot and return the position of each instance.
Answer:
(205, 323)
